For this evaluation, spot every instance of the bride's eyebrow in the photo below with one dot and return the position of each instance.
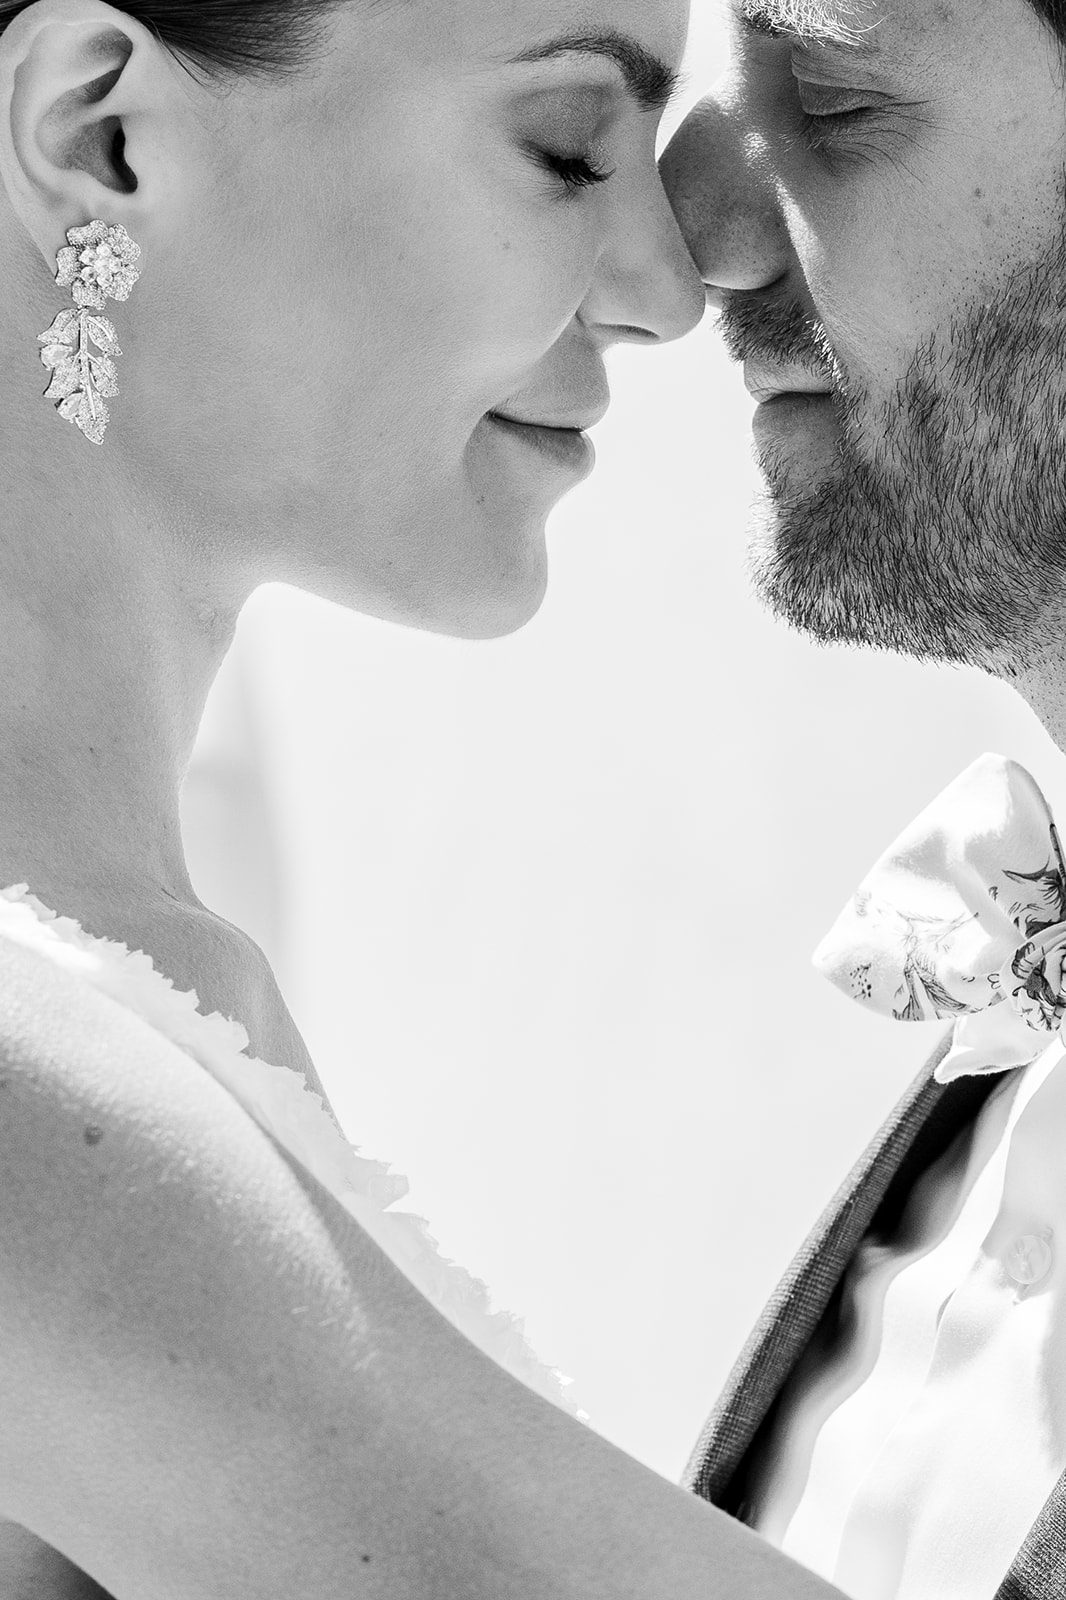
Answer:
(649, 80)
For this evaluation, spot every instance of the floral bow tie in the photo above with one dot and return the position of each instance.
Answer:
(964, 918)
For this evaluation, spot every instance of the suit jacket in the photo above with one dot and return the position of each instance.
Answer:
(919, 1129)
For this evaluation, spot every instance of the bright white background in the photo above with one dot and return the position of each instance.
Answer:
(543, 907)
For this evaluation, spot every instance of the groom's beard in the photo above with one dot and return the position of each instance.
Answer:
(941, 530)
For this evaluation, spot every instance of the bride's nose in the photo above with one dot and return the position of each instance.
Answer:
(725, 203)
(647, 289)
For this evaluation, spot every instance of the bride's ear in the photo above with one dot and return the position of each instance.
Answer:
(92, 108)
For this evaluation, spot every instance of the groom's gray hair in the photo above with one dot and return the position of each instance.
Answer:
(819, 21)
(848, 21)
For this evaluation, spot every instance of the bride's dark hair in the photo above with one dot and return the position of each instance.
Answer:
(264, 38)
(1053, 13)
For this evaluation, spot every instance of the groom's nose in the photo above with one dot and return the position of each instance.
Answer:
(724, 199)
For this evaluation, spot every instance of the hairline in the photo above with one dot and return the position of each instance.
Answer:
(813, 21)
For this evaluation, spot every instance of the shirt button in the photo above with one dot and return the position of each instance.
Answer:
(1029, 1258)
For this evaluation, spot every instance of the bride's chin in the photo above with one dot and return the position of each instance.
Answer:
(489, 598)
(496, 610)
(497, 578)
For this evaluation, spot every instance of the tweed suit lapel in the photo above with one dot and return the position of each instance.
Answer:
(916, 1131)
(1038, 1571)
(918, 1128)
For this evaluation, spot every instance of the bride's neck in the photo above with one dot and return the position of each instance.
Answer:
(111, 636)
(107, 656)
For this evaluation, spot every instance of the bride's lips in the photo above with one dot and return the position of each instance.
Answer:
(567, 448)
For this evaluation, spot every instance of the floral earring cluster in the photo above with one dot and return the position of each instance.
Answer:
(97, 263)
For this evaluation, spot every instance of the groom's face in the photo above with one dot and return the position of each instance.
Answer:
(875, 195)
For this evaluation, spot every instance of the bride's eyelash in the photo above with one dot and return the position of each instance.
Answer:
(576, 172)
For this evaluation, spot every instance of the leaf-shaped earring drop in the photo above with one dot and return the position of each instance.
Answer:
(98, 262)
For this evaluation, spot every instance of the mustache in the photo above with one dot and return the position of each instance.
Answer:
(775, 329)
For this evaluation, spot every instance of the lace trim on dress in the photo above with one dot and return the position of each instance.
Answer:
(281, 1102)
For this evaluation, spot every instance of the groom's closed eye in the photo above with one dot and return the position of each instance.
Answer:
(847, 103)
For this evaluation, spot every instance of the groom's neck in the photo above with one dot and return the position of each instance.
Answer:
(1041, 683)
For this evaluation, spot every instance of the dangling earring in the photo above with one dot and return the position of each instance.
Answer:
(97, 262)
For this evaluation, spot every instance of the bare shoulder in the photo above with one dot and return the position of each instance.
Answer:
(214, 1383)
(195, 1336)
(84, 1078)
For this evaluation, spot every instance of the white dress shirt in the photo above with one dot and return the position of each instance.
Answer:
(921, 1432)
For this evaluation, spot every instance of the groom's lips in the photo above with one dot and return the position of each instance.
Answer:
(768, 384)
(790, 399)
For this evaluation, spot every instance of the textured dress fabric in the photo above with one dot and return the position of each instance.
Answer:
(278, 1099)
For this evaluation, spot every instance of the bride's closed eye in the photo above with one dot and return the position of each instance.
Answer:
(576, 172)
(569, 133)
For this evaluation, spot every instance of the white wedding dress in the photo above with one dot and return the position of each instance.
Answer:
(279, 1100)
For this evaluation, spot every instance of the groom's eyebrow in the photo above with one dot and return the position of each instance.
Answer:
(649, 80)
(819, 22)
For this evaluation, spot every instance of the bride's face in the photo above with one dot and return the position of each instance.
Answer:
(359, 268)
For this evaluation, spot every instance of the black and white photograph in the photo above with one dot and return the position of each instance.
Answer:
(532, 779)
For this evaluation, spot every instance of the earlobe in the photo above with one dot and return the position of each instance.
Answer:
(62, 103)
